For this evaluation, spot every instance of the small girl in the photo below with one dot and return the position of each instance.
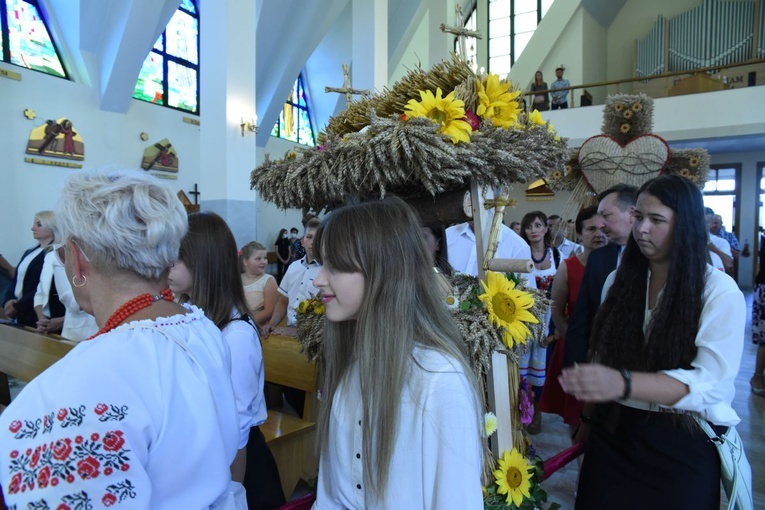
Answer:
(400, 422)
(207, 275)
(260, 289)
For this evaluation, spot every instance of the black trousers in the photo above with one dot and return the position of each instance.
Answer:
(261, 478)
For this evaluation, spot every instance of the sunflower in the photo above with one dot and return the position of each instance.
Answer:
(694, 161)
(637, 107)
(508, 308)
(303, 306)
(446, 111)
(627, 114)
(625, 128)
(618, 107)
(513, 477)
(319, 309)
(557, 175)
(496, 103)
(535, 119)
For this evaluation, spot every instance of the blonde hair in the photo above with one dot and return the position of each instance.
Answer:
(247, 251)
(382, 240)
(47, 220)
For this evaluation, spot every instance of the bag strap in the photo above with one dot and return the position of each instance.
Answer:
(719, 441)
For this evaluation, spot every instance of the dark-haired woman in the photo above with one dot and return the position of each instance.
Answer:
(283, 253)
(546, 258)
(666, 350)
(207, 275)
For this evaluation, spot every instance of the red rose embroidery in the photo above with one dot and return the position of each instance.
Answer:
(62, 414)
(43, 477)
(78, 439)
(13, 488)
(101, 409)
(108, 499)
(70, 478)
(94, 436)
(35, 458)
(125, 467)
(63, 506)
(88, 468)
(54, 482)
(108, 471)
(113, 441)
(14, 454)
(15, 426)
(62, 448)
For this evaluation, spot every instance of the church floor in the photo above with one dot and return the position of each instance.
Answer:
(561, 486)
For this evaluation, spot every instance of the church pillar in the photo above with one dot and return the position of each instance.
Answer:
(369, 66)
(227, 97)
(440, 44)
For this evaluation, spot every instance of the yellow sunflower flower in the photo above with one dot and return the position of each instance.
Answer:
(446, 111)
(513, 477)
(496, 103)
(303, 306)
(625, 128)
(508, 308)
(535, 119)
(319, 309)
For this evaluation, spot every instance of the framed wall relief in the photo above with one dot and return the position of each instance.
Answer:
(539, 190)
(58, 139)
(161, 158)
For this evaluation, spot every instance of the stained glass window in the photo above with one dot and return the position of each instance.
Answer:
(170, 73)
(26, 40)
(294, 122)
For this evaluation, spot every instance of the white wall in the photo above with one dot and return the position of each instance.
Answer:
(416, 53)
(109, 138)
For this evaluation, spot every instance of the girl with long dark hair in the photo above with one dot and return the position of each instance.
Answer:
(666, 349)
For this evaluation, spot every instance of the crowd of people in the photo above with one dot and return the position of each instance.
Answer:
(162, 405)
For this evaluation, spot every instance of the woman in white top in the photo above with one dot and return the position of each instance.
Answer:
(144, 413)
(207, 274)
(260, 288)
(666, 346)
(399, 426)
(546, 258)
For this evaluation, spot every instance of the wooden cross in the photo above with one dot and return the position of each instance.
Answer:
(346, 88)
(196, 194)
(460, 31)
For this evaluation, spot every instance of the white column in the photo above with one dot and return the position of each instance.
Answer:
(439, 43)
(227, 96)
(369, 66)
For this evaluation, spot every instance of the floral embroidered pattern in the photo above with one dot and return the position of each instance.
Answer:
(118, 492)
(62, 461)
(67, 417)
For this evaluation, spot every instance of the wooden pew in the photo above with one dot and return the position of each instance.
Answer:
(291, 439)
(24, 354)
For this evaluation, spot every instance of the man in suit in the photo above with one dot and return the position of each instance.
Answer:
(616, 207)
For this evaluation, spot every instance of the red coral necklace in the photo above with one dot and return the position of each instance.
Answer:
(132, 307)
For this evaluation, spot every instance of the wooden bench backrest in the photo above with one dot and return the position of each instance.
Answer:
(286, 366)
(25, 354)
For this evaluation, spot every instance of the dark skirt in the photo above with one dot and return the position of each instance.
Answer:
(261, 478)
(640, 459)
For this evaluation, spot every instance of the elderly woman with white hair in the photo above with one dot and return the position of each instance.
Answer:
(143, 412)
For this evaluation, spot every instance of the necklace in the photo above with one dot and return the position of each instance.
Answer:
(132, 307)
(544, 256)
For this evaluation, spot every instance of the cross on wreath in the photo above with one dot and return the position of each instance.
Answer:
(346, 88)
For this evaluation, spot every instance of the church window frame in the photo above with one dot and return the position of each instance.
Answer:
(302, 105)
(511, 24)
(172, 65)
(53, 51)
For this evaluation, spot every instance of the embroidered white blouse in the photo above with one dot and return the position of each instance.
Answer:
(437, 460)
(130, 417)
(720, 344)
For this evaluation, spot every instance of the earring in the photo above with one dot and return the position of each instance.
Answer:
(84, 281)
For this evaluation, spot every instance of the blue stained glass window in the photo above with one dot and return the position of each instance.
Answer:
(170, 73)
(295, 120)
(26, 40)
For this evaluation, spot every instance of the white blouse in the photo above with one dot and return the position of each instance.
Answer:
(247, 375)
(133, 416)
(437, 460)
(720, 344)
